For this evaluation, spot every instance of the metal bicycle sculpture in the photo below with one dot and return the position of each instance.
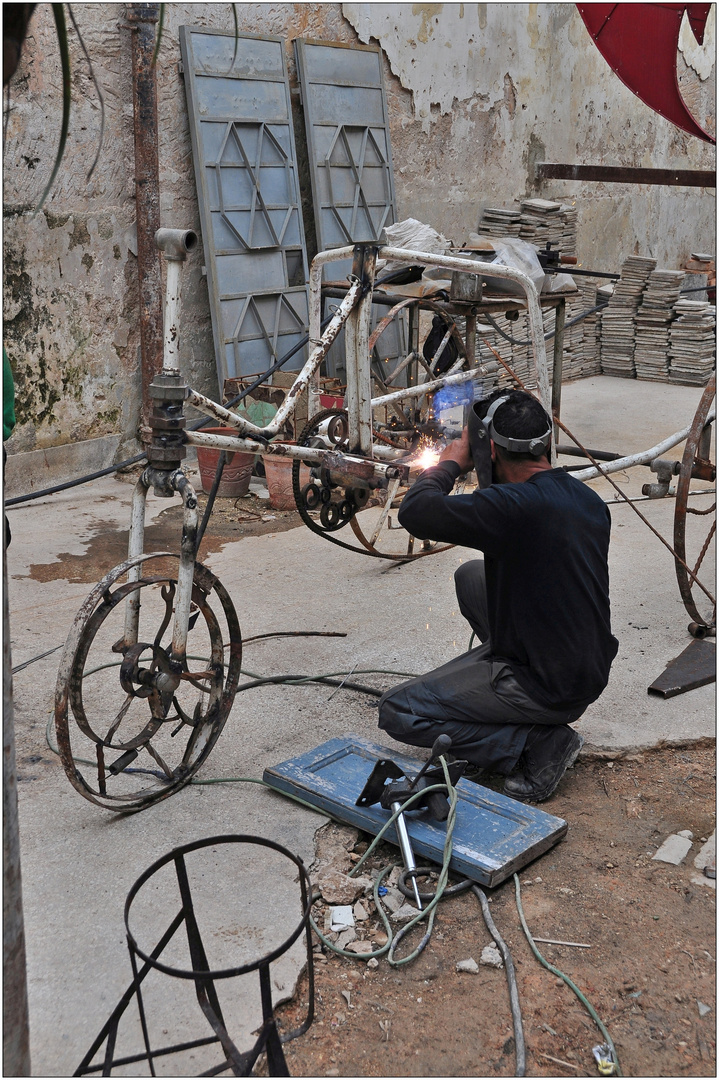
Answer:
(174, 633)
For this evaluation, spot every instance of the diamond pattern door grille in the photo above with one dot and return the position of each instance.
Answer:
(350, 159)
(243, 147)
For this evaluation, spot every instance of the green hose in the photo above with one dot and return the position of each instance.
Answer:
(555, 971)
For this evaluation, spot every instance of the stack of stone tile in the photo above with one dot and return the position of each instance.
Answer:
(617, 345)
(692, 342)
(590, 328)
(655, 312)
(538, 221)
(546, 222)
(496, 221)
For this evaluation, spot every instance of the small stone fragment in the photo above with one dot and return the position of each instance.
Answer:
(674, 850)
(686, 832)
(360, 912)
(469, 965)
(360, 947)
(380, 939)
(348, 997)
(703, 1009)
(491, 956)
(346, 937)
(393, 900)
(373, 962)
(341, 918)
(404, 914)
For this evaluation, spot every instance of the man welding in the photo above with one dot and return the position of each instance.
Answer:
(538, 602)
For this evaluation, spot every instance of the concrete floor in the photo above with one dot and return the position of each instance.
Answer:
(78, 861)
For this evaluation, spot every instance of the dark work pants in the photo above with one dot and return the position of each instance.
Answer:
(475, 698)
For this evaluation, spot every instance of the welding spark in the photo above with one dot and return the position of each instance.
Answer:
(427, 454)
(428, 457)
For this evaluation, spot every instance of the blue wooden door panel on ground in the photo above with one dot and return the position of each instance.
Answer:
(494, 835)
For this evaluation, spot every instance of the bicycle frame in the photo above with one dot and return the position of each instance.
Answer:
(365, 462)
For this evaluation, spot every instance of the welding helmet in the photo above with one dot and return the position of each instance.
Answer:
(480, 424)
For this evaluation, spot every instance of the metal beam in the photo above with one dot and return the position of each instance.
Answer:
(612, 174)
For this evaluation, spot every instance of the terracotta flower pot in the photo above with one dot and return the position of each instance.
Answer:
(235, 479)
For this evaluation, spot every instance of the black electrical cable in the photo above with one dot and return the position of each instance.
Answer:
(551, 334)
(74, 483)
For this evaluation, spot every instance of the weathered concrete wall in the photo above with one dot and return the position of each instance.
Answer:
(498, 87)
(477, 93)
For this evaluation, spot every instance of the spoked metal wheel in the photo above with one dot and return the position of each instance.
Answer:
(376, 528)
(131, 728)
(695, 520)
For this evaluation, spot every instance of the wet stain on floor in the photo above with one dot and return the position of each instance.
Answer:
(108, 545)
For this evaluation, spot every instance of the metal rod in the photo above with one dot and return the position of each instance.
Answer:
(186, 570)
(406, 848)
(560, 313)
(135, 547)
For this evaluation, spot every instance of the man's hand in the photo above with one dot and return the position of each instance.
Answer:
(458, 450)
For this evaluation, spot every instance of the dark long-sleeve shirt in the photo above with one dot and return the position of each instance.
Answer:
(545, 543)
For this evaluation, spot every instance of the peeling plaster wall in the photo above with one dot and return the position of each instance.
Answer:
(477, 93)
(496, 88)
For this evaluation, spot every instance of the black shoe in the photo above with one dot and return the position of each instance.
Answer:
(548, 753)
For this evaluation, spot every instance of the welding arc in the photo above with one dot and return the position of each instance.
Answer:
(625, 498)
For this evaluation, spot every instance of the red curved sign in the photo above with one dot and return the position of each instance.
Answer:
(639, 42)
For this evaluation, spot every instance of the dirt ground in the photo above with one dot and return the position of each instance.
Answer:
(651, 929)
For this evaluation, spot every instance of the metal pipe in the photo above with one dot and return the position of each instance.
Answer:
(16, 1030)
(186, 570)
(436, 384)
(135, 546)
(142, 19)
(642, 458)
(358, 396)
(315, 455)
(406, 848)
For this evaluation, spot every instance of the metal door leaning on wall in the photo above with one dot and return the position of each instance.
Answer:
(238, 100)
(347, 129)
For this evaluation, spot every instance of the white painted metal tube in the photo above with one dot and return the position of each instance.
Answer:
(430, 387)
(173, 289)
(211, 408)
(642, 458)
(315, 454)
(135, 546)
